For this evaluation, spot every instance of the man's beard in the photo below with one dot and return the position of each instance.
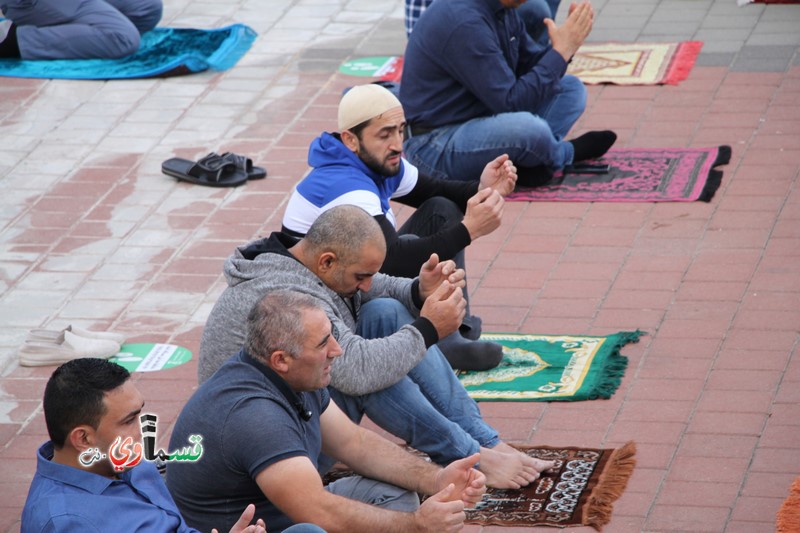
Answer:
(374, 165)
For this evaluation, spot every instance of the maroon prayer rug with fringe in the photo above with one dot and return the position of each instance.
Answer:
(638, 175)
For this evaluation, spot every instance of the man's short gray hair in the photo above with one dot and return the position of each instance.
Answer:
(276, 323)
(344, 230)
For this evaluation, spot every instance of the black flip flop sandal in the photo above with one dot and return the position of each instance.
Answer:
(211, 171)
(245, 163)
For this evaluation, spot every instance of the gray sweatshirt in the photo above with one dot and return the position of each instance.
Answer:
(367, 365)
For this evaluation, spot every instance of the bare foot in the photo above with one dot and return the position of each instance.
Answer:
(532, 465)
(505, 470)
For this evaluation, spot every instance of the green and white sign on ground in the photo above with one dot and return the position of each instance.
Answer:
(384, 67)
(151, 357)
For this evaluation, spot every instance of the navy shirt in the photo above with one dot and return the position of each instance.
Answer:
(66, 499)
(473, 58)
(247, 425)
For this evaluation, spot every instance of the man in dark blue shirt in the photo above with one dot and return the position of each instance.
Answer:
(266, 418)
(476, 86)
(532, 13)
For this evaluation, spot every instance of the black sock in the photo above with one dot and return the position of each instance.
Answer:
(472, 355)
(9, 46)
(533, 176)
(593, 144)
(463, 354)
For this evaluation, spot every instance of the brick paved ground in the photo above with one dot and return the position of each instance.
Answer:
(93, 234)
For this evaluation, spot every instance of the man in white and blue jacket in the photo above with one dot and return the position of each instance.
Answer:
(362, 166)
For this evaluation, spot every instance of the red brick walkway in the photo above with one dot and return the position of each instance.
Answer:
(93, 234)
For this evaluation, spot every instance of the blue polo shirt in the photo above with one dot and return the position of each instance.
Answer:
(247, 425)
(473, 58)
(67, 499)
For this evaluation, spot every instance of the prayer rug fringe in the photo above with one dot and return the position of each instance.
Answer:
(682, 62)
(614, 370)
(610, 487)
(788, 520)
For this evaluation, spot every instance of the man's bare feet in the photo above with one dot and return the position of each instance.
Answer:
(506, 467)
(504, 470)
(531, 466)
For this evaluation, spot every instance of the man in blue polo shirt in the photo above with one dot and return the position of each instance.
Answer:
(475, 86)
(88, 404)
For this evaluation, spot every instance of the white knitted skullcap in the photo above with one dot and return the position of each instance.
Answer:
(364, 102)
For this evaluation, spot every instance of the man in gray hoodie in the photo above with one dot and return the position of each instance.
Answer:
(387, 327)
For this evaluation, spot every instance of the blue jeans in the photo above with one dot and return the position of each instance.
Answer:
(534, 138)
(81, 29)
(428, 408)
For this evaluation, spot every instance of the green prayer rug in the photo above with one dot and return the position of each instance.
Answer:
(551, 368)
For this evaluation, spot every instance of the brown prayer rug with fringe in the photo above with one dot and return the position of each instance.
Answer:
(581, 490)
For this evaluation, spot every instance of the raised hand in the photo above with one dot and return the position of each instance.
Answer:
(434, 272)
(441, 513)
(484, 213)
(568, 37)
(445, 308)
(243, 524)
(500, 175)
(470, 483)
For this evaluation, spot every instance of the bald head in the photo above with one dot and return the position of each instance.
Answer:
(344, 230)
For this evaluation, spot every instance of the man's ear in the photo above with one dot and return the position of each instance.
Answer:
(82, 437)
(326, 261)
(350, 140)
(279, 361)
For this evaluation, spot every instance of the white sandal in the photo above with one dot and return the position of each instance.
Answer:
(42, 352)
(50, 335)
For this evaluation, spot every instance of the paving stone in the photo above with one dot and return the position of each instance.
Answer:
(682, 518)
(689, 493)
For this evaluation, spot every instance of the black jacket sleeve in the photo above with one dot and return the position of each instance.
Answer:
(427, 187)
(404, 257)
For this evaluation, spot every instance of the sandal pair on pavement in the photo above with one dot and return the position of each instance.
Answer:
(45, 347)
(214, 170)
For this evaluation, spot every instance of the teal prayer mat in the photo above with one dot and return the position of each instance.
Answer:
(163, 52)
(551, 368)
